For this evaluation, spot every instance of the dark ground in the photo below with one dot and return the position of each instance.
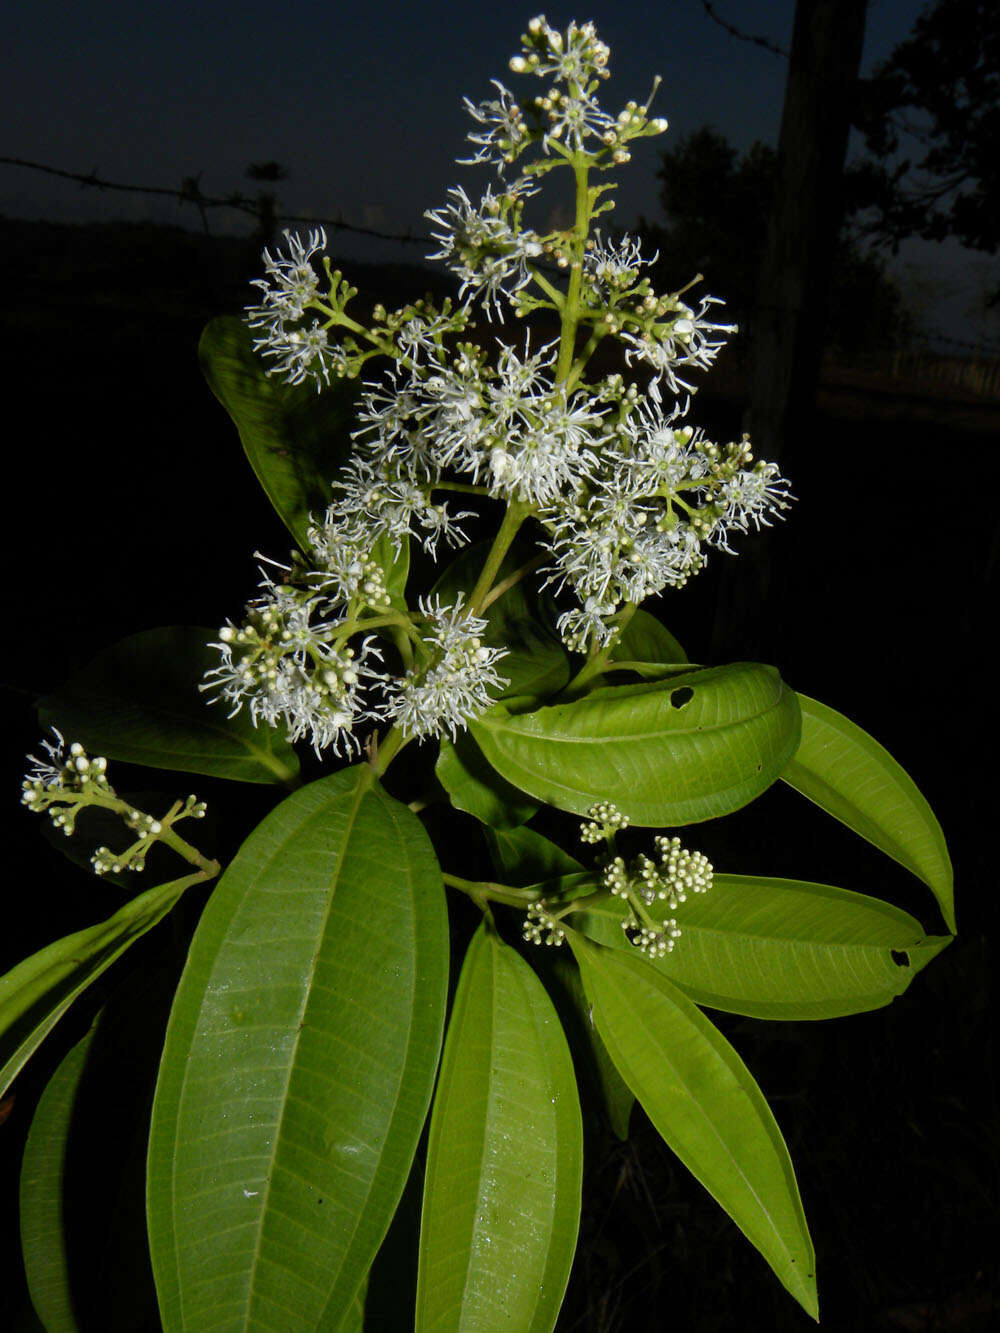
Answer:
(132, 507)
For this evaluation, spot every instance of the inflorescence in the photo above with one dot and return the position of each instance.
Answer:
(628, 499)
(67, 780)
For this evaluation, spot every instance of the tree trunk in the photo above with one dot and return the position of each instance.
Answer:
(751, 612)
(794, 280)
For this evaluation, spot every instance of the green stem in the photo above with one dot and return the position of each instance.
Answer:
(386, 750)
(548, 288)
(580, 364)
(208, 867)
(517, 512)
(465, 486)
(571, 306)
(483, 891)
(506, 584)
(598, 661)
(581, 904)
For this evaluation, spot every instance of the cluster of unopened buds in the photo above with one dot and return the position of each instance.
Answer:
(541, 927)
(64, 781)
(644, 883)
(67, 780)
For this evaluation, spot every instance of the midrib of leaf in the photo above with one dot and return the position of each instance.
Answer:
(360, 792)
(562, 738)
(487, 1122)
(405, 1062)
(697, 1102)
(364, 782)
(556, 1177)
(767, 939)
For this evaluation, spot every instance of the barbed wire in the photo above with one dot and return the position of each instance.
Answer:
(190, 193)
(764, 42)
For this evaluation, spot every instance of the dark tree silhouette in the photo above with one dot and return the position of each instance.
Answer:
(717, 203)
(938, 96)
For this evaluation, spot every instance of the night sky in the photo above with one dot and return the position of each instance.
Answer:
(363, 108)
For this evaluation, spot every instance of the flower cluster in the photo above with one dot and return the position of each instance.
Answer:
(62, 782)
(627, 498)
(304, 656)
(644, 883)
(541, 927)
(299, 347)
(67, 780)
(456, 686)
(604, 820)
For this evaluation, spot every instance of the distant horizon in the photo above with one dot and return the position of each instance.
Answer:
(365, 110)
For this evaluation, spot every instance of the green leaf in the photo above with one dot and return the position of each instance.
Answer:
(704, 1103)
(83, 1233)
(42, 1201)
(37, 992)
(522, 857)
(504, 1158)
(298, 1064)
(613, 1092)
(295, 438)
(473, 786)
(850, 776)
(644, 639)
(780, 948)
(666, 753)
(138, 701)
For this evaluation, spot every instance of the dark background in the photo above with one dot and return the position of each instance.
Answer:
(133, 507)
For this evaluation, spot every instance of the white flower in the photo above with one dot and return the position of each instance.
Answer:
(345, 572)
(504, 133)
(614, 268)
(378, 495)
(754, 495)
(479, 245)
(300, 351)
(456, 687)
(577, 58)
(287, 665)
(583, 623)
(657, 455)
(684, 340)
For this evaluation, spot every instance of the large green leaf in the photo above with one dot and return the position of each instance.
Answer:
(295, 438)
(138, 701)
(504, 1158)
(703, 1101)
(591, 1055)
(477, 788)
(666, 753)
(43, 1202)
(850, 776)
(779, 948)
(37, 992)
(298, 1065)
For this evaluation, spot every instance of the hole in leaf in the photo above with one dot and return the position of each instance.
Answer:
(679, 698)
(900, 958)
